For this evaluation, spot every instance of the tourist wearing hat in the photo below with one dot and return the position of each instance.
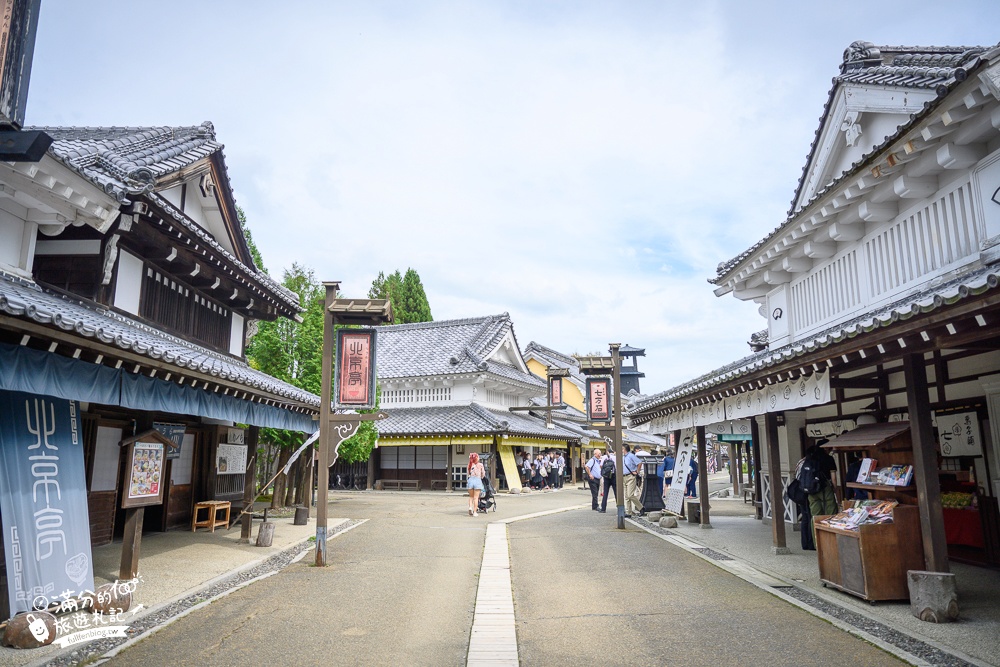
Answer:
(593, 468)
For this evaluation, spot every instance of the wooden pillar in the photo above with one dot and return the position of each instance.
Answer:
(449, 475)
(925, 465)
(754, 450)
(310, 476)
(774, 472)
(323, 444)
(735, 469)
(571, 461)
(250, 485)
(703, 476)
(131, 542)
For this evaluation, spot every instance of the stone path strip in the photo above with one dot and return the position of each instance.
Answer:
(494, 639)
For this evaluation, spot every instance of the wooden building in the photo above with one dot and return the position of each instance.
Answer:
(880, 294)
(453, 387)
(127, 287)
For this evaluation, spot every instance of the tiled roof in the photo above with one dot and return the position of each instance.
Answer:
(128, 160)
(446, 347)
(926, 67)
(26, 300)
(472, 419)
(971, 283)
(557, 360)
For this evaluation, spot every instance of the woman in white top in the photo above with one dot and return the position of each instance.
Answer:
(475, 482)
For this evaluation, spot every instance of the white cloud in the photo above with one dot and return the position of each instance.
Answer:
(584, 166)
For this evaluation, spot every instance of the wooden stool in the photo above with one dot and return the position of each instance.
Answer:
(213, 507)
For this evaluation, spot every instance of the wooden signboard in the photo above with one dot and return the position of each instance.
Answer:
(598, 397)
(145, 462)
(555, 391)
(354, 369)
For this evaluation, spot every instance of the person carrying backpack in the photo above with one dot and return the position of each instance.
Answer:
(608, 475)
(593, 468)
(814, 476)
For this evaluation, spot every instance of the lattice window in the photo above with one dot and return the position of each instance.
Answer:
(501, 398)
(826, 292)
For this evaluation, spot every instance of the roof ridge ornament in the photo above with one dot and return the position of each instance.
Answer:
(861, 54)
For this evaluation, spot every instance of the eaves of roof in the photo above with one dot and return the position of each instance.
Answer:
(967, 61)
(471, 419)
(26, 300)
(969, 284)
(290, 298)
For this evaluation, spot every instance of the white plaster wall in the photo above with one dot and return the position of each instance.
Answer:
(236, 335)
(128, 286)
(172, 195)
(11, 238)
(985, 182)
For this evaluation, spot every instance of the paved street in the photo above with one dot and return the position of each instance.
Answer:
(402, 586)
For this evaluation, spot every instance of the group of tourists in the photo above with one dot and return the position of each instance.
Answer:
(603, 466)
(545, 471)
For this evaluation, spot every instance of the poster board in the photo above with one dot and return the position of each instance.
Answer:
(958, 434)
(231, 459)
(145, 463)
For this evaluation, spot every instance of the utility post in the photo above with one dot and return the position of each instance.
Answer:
(335, 428)
(616, 360)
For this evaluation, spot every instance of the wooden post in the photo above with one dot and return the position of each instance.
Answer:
(925, 464)
(448, 473)
(131, 542)
(323, 444)
(774, 471)
(738, 469)
(755, 450)
(616, 362)
(571, 461)
(249, 485)
(703, 476)
(309, 475)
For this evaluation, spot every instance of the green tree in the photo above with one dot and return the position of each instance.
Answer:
(406, 292)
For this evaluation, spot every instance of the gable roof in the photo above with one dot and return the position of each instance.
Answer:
(556, 359)
(919, 67)
(472, 419)
(448, 347)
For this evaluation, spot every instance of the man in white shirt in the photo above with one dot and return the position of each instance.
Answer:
(560, 466)
(593, 468)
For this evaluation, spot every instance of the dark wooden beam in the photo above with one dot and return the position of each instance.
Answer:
(925, 475)
(779, 546)
(703, 476)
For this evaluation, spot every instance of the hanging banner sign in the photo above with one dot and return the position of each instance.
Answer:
(958, 434)
(598, 395)
(175, 433)
(682, 467)
(354, 370)
(43, 499)
(555, 391)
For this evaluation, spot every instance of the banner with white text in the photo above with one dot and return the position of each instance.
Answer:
(43, 500)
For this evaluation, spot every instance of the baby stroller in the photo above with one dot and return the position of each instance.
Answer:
(487, 498)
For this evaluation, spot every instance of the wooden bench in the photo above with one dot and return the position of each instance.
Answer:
(212, 521)
(401, 484)
(439, 485)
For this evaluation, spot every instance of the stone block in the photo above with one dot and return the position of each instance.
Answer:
(654, 516)
(30, 630)
(668, 522)
(933, 596)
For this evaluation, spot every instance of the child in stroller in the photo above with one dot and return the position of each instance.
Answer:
(487, 498)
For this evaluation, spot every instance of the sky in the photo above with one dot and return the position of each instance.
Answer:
(582, 166)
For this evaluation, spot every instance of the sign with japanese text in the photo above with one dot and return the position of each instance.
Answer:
(598, 397)
(555, 391)
(43, 499)
(231, 459)
(674, 501)
(958, 434)
(145, 474)
(354, 369)
(174, 433)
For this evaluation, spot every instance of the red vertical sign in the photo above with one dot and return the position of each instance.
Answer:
(355, 369)
(598, 394)
(555, 391)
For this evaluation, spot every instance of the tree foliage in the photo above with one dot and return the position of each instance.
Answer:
(406, 293)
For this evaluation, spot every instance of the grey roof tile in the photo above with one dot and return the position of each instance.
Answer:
(26, 300)
(446, 347)
(472, 419)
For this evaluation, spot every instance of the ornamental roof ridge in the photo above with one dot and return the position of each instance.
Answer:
(549, 352)
(942, 86)
(434, 324)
